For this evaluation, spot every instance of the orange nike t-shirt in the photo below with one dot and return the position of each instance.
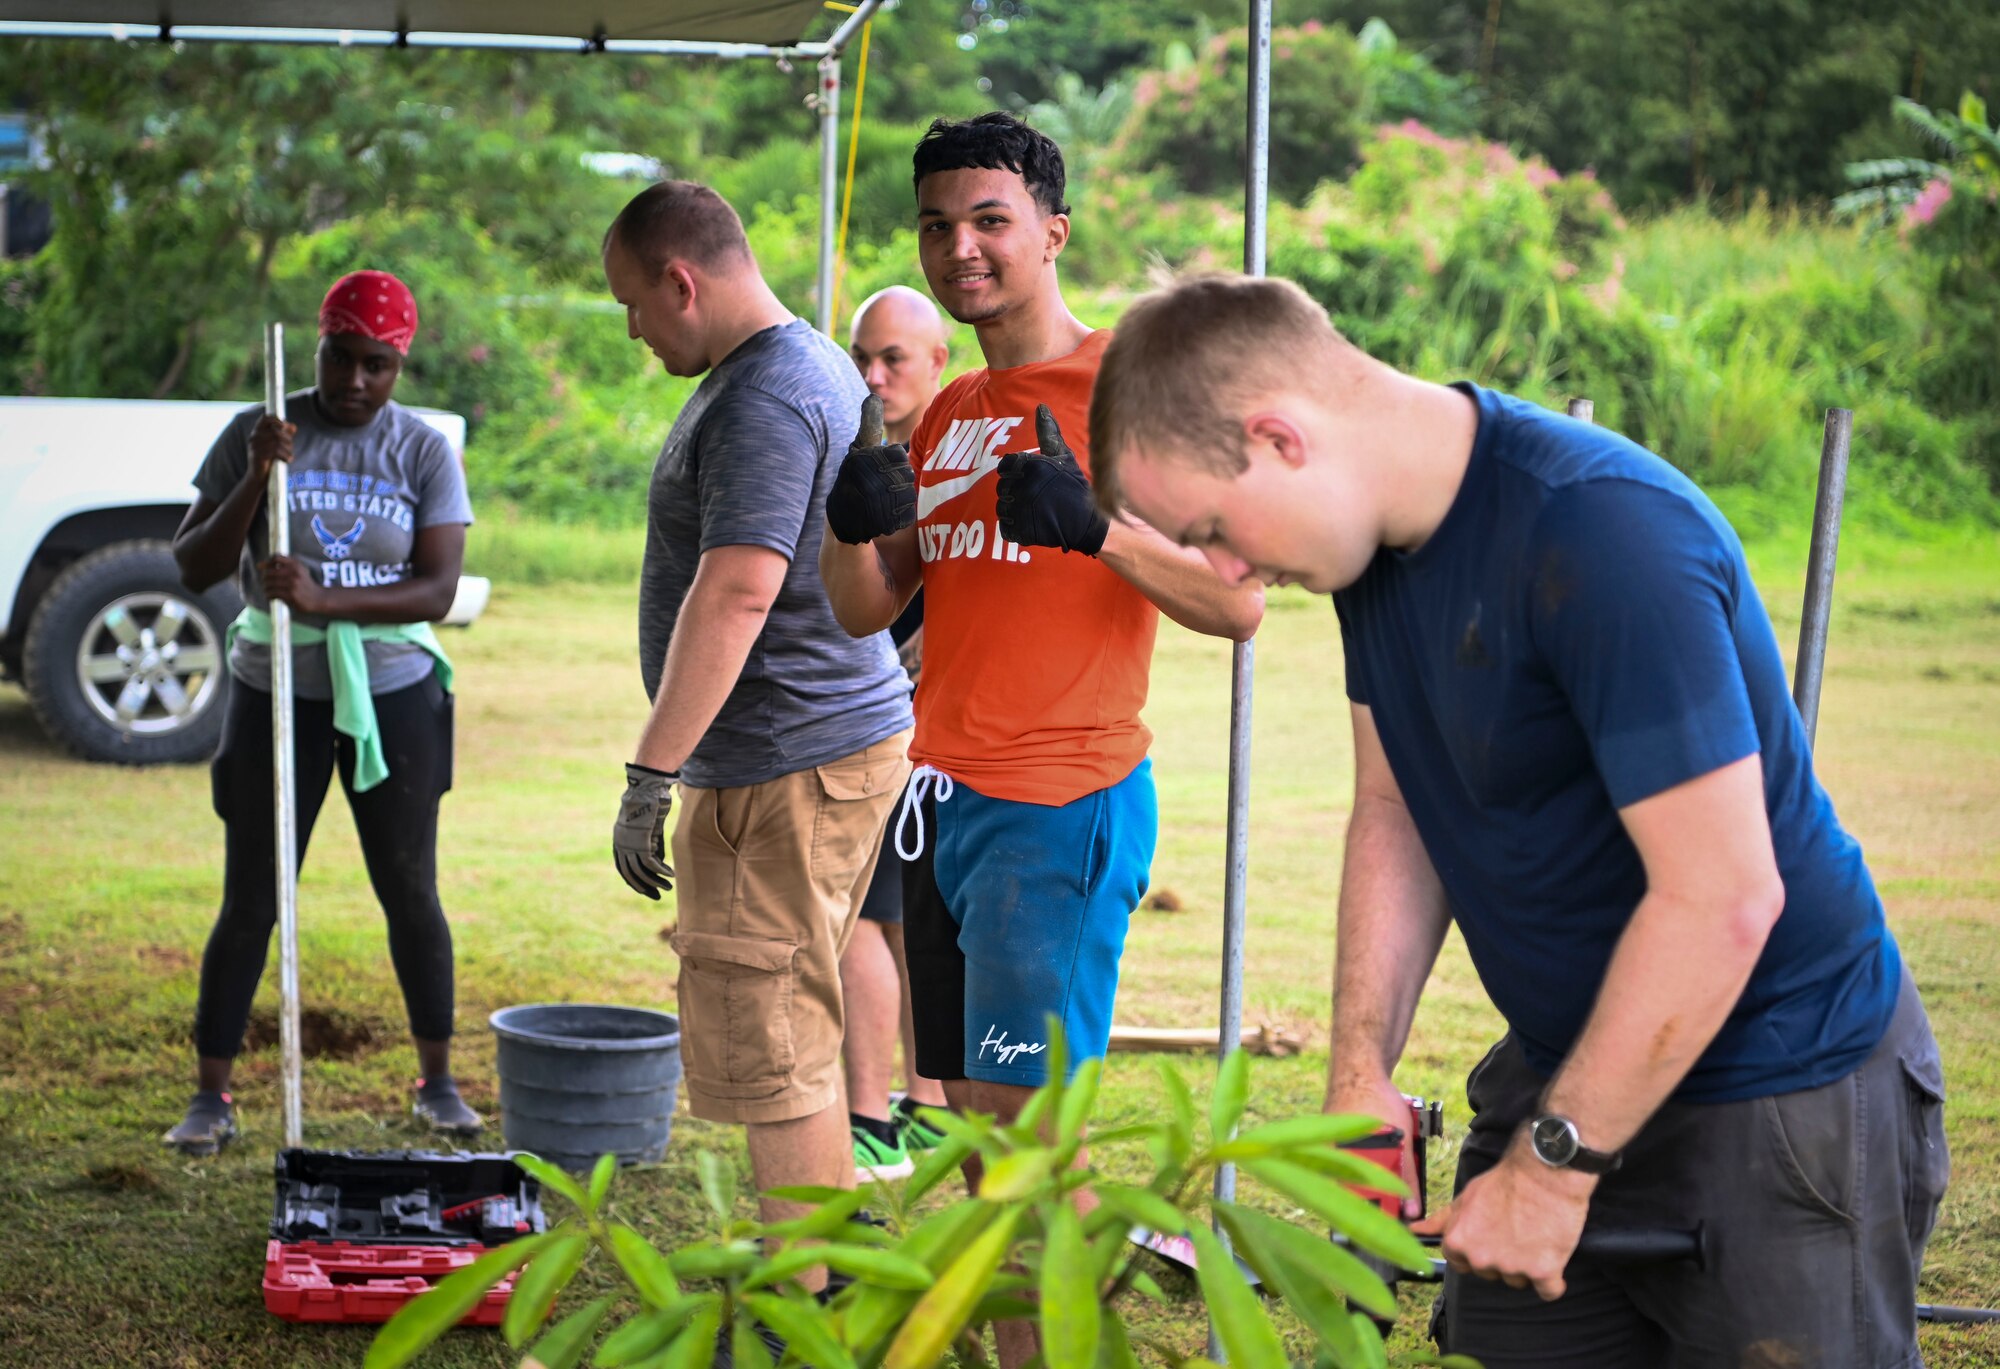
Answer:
(1035, 660)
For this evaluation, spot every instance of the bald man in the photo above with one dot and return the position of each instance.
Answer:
(897, 342)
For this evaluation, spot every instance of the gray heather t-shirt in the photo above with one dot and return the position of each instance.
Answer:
(748, 463)
(358, 497)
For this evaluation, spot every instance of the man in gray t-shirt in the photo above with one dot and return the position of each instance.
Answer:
(786, 736)
(358, 498)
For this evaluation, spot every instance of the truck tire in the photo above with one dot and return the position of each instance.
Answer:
(123, 664)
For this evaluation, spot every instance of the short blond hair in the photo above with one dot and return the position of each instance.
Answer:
(1187, 360)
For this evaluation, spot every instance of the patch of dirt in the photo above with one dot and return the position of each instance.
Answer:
(166, 957)
(13, 932)
(121, 1178)
(323, 1033)
(1163, 901)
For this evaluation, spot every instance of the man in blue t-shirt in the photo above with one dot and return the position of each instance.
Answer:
(1573, 738)
(786, 736)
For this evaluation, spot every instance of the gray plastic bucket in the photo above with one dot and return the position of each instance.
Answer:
(578, 1080)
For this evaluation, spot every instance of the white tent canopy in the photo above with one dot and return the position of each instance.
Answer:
(762, 23)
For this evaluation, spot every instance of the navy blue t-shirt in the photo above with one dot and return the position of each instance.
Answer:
(1580, 633)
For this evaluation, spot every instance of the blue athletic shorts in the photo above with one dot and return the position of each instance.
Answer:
(1013, 911)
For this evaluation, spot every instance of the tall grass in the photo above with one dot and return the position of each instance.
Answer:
(513, 548)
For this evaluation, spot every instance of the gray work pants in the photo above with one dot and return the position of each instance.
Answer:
(1816, 1207)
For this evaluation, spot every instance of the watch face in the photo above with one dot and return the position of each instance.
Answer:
(1555, 1140)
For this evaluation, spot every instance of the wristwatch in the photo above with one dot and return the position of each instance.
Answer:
(1558, 1145)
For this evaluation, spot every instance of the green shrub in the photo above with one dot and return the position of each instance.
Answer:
(931, 1282)
(1190, 122)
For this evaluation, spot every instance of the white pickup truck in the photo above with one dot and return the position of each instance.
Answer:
(120, 660)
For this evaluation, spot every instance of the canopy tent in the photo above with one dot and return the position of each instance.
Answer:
(654, 28)
(615, 25)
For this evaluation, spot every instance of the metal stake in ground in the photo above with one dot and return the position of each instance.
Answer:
(1814, 621)
(284, 789)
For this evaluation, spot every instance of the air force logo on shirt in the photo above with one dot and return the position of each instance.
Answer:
(342, 545)
(971, 445)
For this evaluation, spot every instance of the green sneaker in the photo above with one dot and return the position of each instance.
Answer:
(916, 1134)
(874, 1160)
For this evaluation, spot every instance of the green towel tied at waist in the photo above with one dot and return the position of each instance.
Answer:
(347, 662)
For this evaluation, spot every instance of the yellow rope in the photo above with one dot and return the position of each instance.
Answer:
(847, 192)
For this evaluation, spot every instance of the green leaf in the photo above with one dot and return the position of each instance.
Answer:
(1016, 1176)
(1331, 1129)
(1142, 1207)
(1354, 1217)
(939, 1164)
(1147, 1287)
(786, 1264)
(1322, 1309)
(1232, 1091)
(563, 1346)
(746, 1347)
(555, 1177)
(694, 1348)
(715, 1261)
(535, 1291)
(1374, 1354)
(823, 1220)
(804, 1327)
(600, 1179)
(1069, 1293)
(1240, 1324)
(936, 1240)
(1114, 1350)
(1180, 1117)
(650, 1332)
(718, 1183)
(1347, 1166)
(941, 1313)
(1078, 1099)
(885, 1268)
(1002, 1307)
(1026, 1129)
(872, 1312)
(645, 1268)
(423, 1319)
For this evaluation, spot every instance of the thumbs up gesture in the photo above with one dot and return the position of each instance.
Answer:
(1045, 499)
(875, 493)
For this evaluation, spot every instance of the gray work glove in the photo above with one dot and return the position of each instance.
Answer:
(638, 838)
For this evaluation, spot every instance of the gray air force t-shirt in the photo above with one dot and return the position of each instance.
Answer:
(748, 463)
(358, 497)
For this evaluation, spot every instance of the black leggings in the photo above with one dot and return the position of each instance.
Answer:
(397, 824)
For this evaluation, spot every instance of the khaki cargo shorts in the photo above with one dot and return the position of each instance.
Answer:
(770, 879)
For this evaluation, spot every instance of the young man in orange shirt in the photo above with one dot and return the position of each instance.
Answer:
(1030, 832)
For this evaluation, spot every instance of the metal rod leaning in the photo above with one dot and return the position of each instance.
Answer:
(1810, 667)
(284, 787)
(829, 184)
(1243, 659)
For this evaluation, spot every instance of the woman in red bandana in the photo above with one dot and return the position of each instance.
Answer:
(378, 513)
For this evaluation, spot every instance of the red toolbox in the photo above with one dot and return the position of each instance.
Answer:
(354, 1236)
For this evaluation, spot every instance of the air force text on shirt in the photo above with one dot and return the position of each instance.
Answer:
(343, 492)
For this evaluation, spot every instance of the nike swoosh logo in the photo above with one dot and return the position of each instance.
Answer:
(930, 496)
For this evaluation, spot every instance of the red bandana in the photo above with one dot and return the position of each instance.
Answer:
(373, 304)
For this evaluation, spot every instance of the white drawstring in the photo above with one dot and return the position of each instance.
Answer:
(922, 778)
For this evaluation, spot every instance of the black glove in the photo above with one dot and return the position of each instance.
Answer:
(638, 838)
(1045, 498)
(875, 493)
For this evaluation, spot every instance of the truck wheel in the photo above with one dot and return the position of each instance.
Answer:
(124, 664)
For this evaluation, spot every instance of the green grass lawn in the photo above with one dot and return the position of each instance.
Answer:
(113, 1252)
